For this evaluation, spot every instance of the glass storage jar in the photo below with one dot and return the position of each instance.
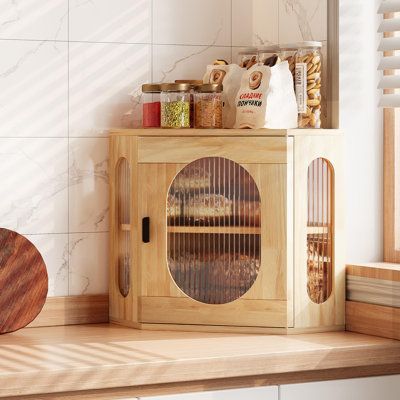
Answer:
(151, 105)
(175, 105)
(208, 106)
(308, 84)
(247, 57)
(268, 55)
(287, 52)
(193, 83)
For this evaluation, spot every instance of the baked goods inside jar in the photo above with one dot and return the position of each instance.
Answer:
(308, 84)
(318, 280)
(206, 207)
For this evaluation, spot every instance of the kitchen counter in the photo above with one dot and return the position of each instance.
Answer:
(91, 357)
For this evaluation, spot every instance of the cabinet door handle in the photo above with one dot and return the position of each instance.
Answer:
(146, 229)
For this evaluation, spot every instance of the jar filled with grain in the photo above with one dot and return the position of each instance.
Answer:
(175, 105)
(308, 84)
(193, 83)
(208, 106)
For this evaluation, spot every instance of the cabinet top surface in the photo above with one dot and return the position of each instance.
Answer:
(84, 357)
(224, 132)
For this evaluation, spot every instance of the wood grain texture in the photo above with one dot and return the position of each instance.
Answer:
(331, 312)
(72, 310)
(383, 271)
(267, 150)
(72, 358)
(219, 384)
(23, 281)
(372, 319)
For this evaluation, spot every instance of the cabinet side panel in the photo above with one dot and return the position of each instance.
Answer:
(307, 313)
(122, 309)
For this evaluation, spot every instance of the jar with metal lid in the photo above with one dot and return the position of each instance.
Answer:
(208, 106)
(175, 105)
(247, 57)
(193, 83)
(268, 55)
(287, 52)
(308, 84)
(151, 105)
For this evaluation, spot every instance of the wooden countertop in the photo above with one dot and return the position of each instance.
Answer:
(85, 357)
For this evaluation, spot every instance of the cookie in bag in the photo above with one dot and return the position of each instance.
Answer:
(266, 98)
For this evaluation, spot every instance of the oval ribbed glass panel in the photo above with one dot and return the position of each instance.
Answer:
(213, 228)
(124, 225)
(320, 230)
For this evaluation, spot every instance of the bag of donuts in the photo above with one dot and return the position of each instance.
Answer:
(266, 98)
(229, 76)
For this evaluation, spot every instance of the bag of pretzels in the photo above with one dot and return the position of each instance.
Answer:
(266, 98)
(229, 76)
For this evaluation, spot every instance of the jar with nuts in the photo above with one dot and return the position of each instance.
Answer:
(308, 84)
(208, 106)
(175, 105)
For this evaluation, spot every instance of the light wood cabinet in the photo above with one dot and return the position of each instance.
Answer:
(219, 231)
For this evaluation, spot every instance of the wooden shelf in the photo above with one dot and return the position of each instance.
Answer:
(51, 360)
(233, 230)
(223, 132)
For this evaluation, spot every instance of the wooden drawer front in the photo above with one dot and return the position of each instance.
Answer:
(174, 150)
(174, 310)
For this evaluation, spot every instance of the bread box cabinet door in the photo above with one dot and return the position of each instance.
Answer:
(214, 231)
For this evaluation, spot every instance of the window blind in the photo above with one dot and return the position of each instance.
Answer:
(390, 48)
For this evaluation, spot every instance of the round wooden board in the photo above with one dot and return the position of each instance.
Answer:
(23, 281)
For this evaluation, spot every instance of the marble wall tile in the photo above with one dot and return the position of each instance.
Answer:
(192, 22)
(88, 260)
(255, 22)
(105, 81)
(34, 89)
(117, 21)
(88, 184)
(34, 183)
(34, 19)
(54, 250)
(302, 20)
(185, 62)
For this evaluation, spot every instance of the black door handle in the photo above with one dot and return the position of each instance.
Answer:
(146, 229)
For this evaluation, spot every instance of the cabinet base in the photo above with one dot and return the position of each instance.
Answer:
(229, 329)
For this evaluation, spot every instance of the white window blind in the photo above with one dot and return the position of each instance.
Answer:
(390, 48)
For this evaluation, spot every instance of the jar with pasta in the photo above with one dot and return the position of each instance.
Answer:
(175, 105)
(208, 106)
(308, 84)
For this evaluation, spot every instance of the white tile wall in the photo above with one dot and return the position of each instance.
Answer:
(70, 70)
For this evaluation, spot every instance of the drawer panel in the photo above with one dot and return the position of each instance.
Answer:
(271, 150)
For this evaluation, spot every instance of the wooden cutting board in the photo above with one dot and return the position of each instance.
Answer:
(23, 281)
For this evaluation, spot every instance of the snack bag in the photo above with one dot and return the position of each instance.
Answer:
(266, 98)
(229, 76)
